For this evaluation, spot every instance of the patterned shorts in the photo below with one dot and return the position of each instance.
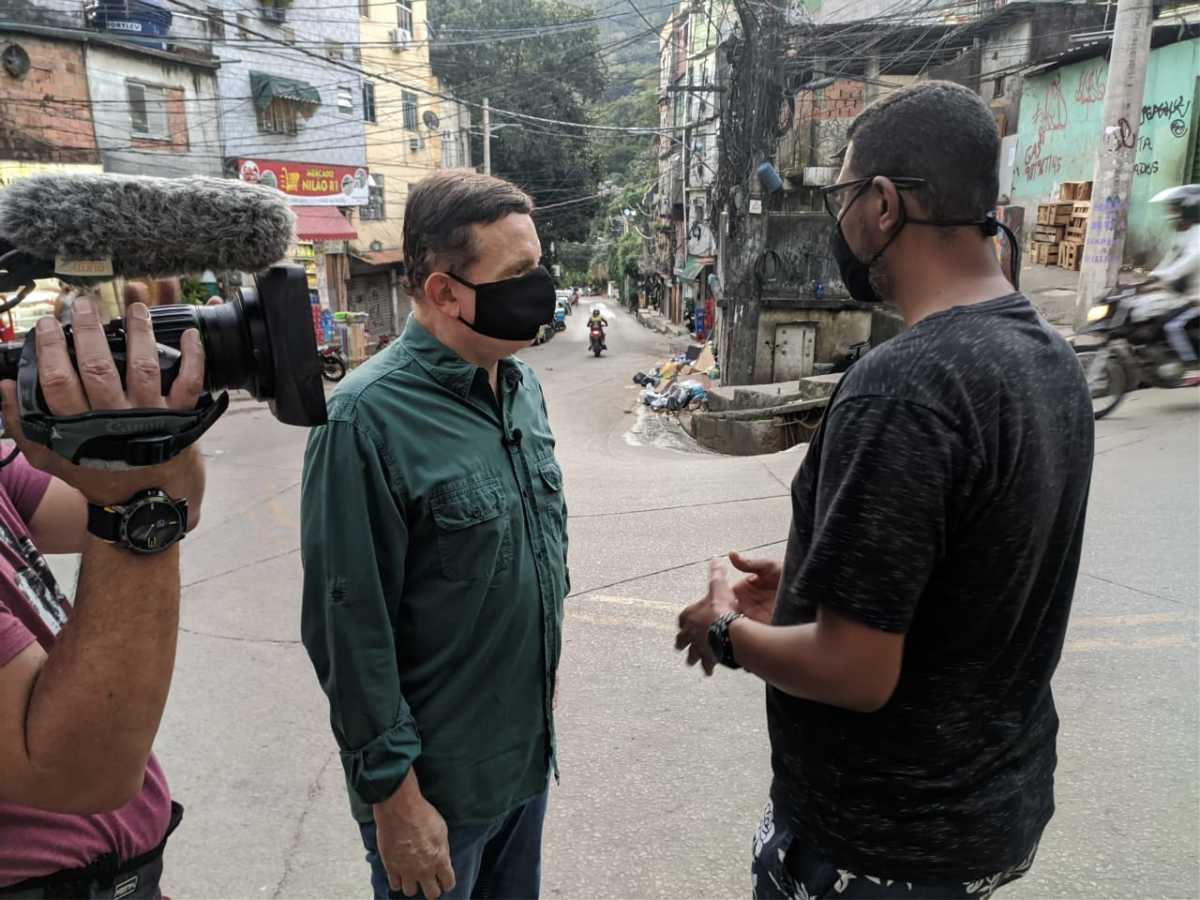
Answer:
(783, 872)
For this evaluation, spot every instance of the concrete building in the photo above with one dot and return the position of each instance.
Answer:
(291, 114)
(1061, 127)
(685, 243)
(409, 131)
(45, 108)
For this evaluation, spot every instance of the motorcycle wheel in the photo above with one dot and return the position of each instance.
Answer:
(333, 369)
(1107, 386)
(597, 351)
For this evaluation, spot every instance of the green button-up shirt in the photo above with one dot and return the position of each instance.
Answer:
(434, 545)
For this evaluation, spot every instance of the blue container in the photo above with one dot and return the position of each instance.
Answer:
(145, 22)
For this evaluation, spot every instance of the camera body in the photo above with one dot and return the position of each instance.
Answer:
(261, 341)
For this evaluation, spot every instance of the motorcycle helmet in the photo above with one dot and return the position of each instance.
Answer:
(1184, 201)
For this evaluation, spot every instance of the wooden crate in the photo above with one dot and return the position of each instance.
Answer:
(1076, 190)
(1049, 234)
(1076, 232)
(1081, 208)
(1070, 255)
(1058, 213)
(1045, 254)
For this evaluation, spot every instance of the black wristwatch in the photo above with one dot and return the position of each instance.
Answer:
(148, 522)
(720, 642)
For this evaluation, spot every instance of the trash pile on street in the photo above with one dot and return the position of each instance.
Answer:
(682, 382)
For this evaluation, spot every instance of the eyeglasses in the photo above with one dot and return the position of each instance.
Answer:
(834, 194)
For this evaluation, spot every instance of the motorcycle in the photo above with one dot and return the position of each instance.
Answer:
(333, 364)
(596, 339)
(1132, 347)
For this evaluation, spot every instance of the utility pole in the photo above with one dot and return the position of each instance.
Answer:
(1113, 178)
(487, 138)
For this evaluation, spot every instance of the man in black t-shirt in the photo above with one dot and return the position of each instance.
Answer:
(909, 638)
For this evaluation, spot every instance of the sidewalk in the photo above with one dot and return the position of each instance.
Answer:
(1052, 291)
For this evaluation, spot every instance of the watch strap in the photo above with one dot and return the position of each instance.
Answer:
(722, 643)
(104, 522)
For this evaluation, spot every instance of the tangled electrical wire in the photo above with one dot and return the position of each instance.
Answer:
(755, 112)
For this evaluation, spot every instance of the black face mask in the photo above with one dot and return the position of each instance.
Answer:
(513, 309)
(856, 274)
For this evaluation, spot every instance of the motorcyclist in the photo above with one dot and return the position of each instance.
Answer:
(1180, 268)
(598, 321)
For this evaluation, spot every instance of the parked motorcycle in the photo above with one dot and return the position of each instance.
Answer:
(596, 339)
(560, 319)
(333, 364)
(1132, 347)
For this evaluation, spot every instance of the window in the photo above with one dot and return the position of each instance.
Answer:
(280, 117)
(216, 23)
(364, 8)
(243, 24)
(404, 16)
(368, 92)
(998, 89)
(334, 50)
(345, 99)
(410, 111)
(289, 34)
(375, 210)
(449, 151)
(356, 53)
(147, 110)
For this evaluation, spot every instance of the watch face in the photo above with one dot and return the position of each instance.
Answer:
(153, 524)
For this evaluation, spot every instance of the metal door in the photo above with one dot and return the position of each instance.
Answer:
(795, 351)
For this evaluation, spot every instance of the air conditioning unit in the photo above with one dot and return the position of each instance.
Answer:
(277, 15)
(416, 144)
(400, 38)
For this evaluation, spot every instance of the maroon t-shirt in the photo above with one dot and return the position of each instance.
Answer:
(32, 608)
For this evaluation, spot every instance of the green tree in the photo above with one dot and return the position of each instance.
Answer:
(555, 74)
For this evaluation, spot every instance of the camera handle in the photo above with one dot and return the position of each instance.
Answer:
(113, 439)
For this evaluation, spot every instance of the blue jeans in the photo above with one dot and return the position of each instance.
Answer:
(498, 860)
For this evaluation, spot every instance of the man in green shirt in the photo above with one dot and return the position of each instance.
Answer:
(434, 546)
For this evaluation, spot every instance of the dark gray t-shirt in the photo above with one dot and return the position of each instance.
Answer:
(943, 497)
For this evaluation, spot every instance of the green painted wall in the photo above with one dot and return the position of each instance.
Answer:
(1061, 123)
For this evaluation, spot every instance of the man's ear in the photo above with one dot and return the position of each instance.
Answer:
(887, 201)
(439, 291)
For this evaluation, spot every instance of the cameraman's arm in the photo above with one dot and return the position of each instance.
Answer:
(60, 523)
(76, 726)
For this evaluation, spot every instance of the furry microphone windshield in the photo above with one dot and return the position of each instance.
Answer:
(148, 227)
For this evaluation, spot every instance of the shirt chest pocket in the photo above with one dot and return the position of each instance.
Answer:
(548, 483)
(474, 535)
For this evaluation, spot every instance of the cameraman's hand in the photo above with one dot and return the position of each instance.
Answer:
(97, 385)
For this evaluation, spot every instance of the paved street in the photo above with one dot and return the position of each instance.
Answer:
(664, 773)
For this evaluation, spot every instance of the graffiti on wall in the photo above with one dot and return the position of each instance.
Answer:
(1092, 85)
(1050, 115)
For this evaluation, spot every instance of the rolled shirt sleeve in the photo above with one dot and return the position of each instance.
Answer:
(354, 543)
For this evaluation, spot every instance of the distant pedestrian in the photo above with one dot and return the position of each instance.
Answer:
(909, 638)
(433, 532)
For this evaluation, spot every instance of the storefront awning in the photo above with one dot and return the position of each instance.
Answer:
(692, 270)
(322, 223)
(265, 88)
